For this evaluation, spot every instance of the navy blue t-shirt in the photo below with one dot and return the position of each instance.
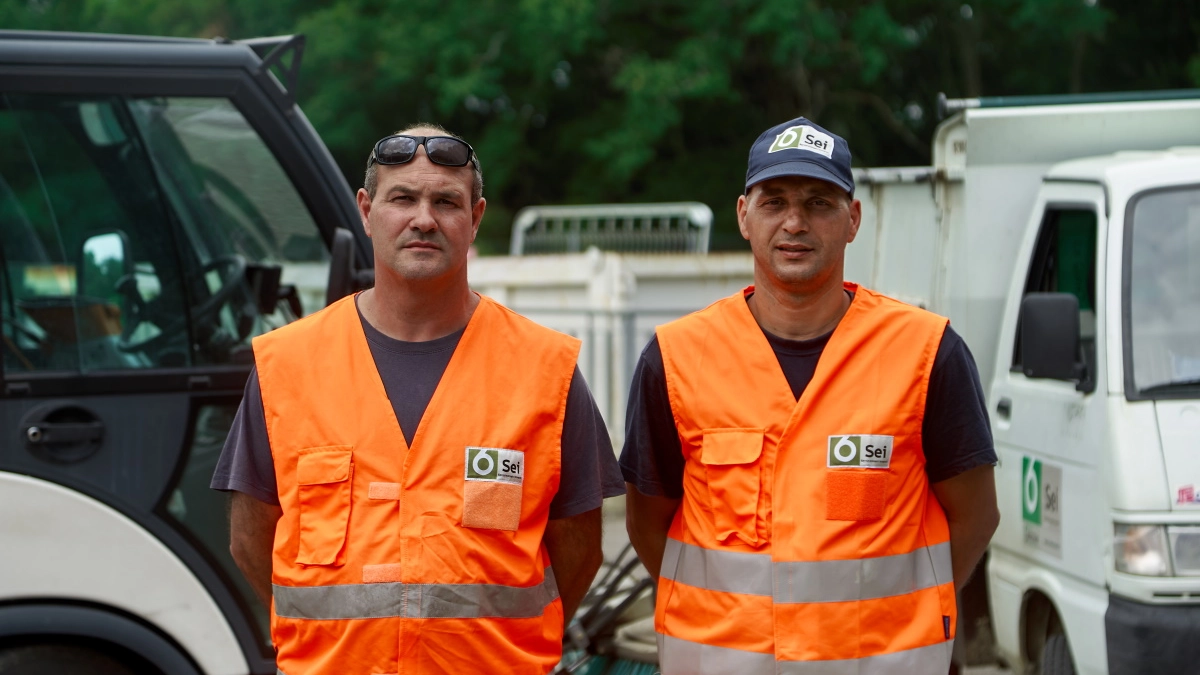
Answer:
(956, 433)
(410, 372)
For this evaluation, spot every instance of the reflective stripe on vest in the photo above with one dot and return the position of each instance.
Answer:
(415, 601)
(820, 581)
(685, 656)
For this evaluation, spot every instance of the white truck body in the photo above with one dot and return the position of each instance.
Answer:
(612, 301)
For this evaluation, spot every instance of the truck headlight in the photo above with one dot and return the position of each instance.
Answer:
(1185, 549)
(1141, 549)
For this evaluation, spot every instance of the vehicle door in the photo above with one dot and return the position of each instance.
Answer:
(148, 219)
(1049, 433)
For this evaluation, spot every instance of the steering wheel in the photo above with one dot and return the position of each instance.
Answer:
(231, 281)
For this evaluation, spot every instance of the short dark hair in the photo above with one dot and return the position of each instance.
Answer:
(371, 179)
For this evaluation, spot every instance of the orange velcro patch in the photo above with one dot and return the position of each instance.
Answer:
(382, 574)
(491, 505)
(855, 495)
(384, 491)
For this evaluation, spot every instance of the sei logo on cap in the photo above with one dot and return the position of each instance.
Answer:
(496, 465)
(861, 450)
(804, 138)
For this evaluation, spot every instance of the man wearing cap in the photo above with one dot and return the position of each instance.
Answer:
(808, 462)
(417, 472)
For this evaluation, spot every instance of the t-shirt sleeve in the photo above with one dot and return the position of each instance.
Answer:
(957, 433)
(652, 459)
(589, 472)
(246, 464)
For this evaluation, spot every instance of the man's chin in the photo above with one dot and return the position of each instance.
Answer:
(420, 270)
(796, 273)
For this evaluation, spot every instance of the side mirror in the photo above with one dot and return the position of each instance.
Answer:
(341, 266)
(104, 261)
(344, 277)
(1050, 337)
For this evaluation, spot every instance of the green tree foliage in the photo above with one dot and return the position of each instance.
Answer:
(575, 101)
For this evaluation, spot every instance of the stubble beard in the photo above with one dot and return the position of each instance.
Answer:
(418, 264)
(800, 277)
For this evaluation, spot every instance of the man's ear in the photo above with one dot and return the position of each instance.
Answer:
(855, 219)
(741, 216)
(364, 209)
(477, 216)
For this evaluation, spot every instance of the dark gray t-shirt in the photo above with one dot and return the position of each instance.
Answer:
(410, 372)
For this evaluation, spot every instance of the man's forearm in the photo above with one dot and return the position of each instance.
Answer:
(256, 567)
(648, 519)
(251, 539)
(968, 541)
(574, 547)
(969, 501)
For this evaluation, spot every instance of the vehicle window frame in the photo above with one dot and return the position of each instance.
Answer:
(1037, 258)
(273, 126)
(1132, 393)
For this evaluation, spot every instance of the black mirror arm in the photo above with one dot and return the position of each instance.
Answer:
(289, 294)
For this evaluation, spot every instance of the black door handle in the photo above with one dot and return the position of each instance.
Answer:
(62, 431)
(1004, 407)
(49, 433)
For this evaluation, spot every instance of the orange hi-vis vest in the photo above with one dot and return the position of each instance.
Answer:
(422, 559)
(807, 540)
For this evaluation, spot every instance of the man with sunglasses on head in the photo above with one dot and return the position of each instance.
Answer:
(417, 472)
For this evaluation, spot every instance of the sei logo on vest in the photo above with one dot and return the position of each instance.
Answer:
(496, 465)
(861, 450)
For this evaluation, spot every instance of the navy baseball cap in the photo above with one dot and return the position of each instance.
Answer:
(800, 148)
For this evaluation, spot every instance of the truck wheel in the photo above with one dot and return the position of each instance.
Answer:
(1056, 656)
(59, 659)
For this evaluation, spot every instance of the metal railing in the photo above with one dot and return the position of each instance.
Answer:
(677, 227)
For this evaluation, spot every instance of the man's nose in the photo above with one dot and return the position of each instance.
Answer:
(795, 220)
(423, 219)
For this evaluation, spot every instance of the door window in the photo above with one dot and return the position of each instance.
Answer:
(1064, 261)
(141, 233)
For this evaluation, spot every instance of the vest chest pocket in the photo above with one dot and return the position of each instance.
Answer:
(323, 478)
(731, 466)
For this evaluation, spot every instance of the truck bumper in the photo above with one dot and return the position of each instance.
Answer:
(1145, 639)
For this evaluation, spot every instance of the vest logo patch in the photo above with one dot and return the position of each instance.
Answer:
(860, 450)
(804, 138)
(496, 465)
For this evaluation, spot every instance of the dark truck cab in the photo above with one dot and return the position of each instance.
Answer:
(162, 201)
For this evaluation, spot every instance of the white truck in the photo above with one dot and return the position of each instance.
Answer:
(1062, 239)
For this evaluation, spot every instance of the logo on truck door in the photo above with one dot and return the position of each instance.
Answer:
(1041, 505)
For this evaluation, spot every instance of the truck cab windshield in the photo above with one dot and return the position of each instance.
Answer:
(1163, 296)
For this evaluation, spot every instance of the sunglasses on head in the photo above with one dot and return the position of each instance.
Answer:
(444, 150)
